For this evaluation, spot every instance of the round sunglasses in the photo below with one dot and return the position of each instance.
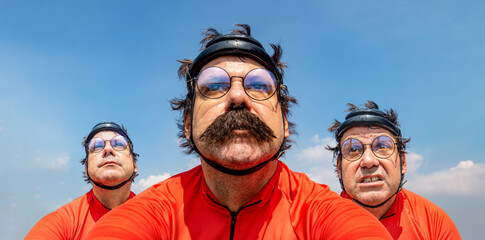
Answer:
(382, 147)
(118, 143)
(214, 82)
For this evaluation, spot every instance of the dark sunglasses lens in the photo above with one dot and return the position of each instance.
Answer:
(383, 146)
(96, 145)
(260, 84)
(119, 143)
(352, 149)
(213, 82)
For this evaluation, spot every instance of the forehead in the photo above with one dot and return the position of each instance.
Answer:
(106, 135)
(366, 133)
(234, 64)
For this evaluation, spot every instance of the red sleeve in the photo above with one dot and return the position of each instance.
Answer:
(143, 217)
(50, 226)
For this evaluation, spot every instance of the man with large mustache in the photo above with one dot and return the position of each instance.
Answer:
(235, 118)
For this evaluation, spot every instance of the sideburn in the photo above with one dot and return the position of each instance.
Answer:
(221, 129)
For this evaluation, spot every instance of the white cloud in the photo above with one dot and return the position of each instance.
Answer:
(59, 164)
(321, 160)
(37, 196)
(325, 174)
(317, 153)
(464, 165)
(413, 162)
(467, 178)
(316, 138)
(143, 184)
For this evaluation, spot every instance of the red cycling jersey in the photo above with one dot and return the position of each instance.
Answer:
(290, 206)
(414, 217)
(71, 221)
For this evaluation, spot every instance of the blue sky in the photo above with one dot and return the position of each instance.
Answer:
(67, 65)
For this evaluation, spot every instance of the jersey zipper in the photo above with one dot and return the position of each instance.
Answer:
(233, 224)
(233, 215)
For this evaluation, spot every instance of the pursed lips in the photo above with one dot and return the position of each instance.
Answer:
(109, 162)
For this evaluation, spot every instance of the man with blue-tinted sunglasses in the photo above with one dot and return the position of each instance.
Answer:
(110, 166)
(234, 117)
(371, 163)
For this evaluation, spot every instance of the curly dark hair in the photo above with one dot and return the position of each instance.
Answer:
(390, 115)
(184, 104)
(86, 150)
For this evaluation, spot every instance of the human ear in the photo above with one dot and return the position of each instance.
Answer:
(187, 125)
(404, 165)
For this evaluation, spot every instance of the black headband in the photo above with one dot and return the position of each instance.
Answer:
(107, 126)
(233, 44)
(367, 117)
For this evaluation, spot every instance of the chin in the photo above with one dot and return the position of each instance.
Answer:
(240, 160)
(113, 177)
(373, 198)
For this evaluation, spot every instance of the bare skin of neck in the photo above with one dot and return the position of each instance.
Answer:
(235, 191)
(380, 211)
(112, 198)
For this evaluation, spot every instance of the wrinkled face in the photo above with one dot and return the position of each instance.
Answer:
(242, 148)
(370, 179)
(109, 166)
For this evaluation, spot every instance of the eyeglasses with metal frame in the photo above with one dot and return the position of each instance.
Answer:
(382, 147)
(118, 143)
(214, 82)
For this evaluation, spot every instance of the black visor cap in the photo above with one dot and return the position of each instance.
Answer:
(232, 44)
(368, 118)
(107, 126)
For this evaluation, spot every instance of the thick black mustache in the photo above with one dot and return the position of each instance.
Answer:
(238, 119)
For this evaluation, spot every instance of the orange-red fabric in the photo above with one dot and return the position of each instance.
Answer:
(414, 217)
(71, 221)
(290, 206)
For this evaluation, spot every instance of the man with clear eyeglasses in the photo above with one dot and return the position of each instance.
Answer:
(234, 117)
(110, 166)
(371, 163)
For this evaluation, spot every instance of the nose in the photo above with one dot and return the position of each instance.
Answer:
(108, 149)
(368, 159)
(237, 97)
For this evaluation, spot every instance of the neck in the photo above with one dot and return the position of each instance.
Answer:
(236, 191)
(378, 212)
(112, 198)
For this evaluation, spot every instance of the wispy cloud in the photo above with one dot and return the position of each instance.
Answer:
(321, 161)
(59, 164)
(413, 162)
(142, 184)
(466, 178)
(317, 153)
